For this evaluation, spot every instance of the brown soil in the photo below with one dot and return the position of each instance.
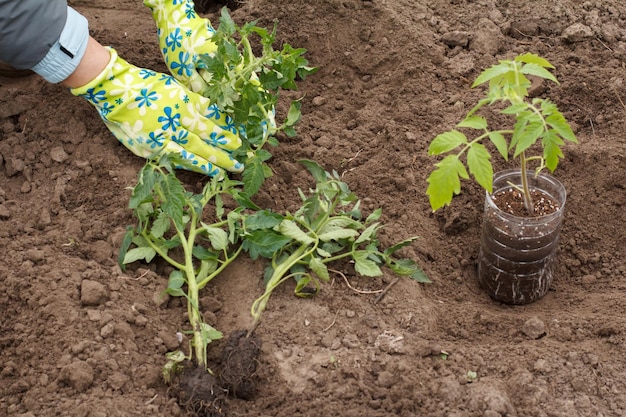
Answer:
(79, 337)
(199, 393)
(240, 358)
(512, 201)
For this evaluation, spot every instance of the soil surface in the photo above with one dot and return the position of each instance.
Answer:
(81, 338)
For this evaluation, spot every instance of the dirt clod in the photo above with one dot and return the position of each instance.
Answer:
(239, 364)
(199, 392)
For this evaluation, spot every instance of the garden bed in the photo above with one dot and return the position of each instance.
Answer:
(79, 337)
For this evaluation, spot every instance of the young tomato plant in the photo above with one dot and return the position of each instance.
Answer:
(170, 225)
(326, 228)
(536, 120)
(246, 87)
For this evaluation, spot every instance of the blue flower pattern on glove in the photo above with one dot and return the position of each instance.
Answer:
(181, 137)
(168, 79)
(146, 97)
(145, 74)
(174, 40)
(169, 121)
(155, 140)
(216, 139)
(184, 66)
(95, 96)
(230, 125)
(214, 112)
(210, 169)
(189, 11)
(106, 109)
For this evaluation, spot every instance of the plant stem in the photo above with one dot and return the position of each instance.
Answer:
(528, 201)
(161, 253)
(228, 260)
(278, 276)
(193, 292)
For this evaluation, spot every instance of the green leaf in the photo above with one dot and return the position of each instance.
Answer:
(368, 233)
(499, 141)
(204, 254)
(319, 269)
(404, 267)
(173, 199)
(365, 266)
(394, 248)
(253, 176)
(420, 276)
(294, 114)
(531, 58)
(559, 124)
(323, 253)
(444, 181)
(491, 73)
(265, 243)
(302, 286)
(374, 216)
(290, 132)
(478, 161)
(473, 122)
(264, 219)
(146, 253)
(160, 225)
(126, 242)
(447, 141)
(218, 237)
(515, 108)
(318, 173)
(206, 267)
(290, 229)
(338, 234)
(538, 71)
(143, 188)
(210, 333)
(226, 23)
(528, 137)
(334, 224)
(244, 201)
(551, 149)
(176, 280)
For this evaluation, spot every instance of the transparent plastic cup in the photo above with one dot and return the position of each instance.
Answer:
(518, 254)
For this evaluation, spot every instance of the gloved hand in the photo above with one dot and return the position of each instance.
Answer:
(183, 37)
(151, 113)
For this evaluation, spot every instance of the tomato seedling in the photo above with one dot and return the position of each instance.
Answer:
(246, 87)
(169, 219)
(327, 227)
(536, 120)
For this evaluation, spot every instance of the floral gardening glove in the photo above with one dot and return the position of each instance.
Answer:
(152, 114)
(183, 37)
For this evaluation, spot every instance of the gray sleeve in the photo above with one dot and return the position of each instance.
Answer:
(28, 29)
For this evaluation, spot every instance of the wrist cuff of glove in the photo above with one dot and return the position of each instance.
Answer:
(66, 53)
(106, 73)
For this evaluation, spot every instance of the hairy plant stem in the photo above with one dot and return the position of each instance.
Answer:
(278, 276)
(528, 201)
(193, 310)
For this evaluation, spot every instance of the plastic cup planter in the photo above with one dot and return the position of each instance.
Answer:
(518, 254)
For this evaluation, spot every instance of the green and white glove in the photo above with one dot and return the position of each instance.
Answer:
(183, 38)
(152, 114)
